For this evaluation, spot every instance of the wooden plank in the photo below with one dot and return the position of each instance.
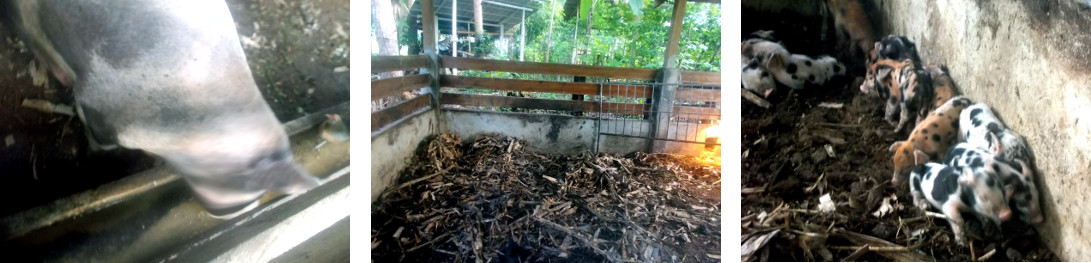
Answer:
(547, 68)
(397, 112)
(392, 86)
(695, 112)
(517, 102)
(390, 63)
(702, 77)
(634, 91)
(541, 104)
(428, 23)
(689, 94)
(670, 59)
(519, 85)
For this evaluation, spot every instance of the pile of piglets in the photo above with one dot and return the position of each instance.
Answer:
(766, 62)
(959, 157)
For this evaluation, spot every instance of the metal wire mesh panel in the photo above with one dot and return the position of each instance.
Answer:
(630, 110)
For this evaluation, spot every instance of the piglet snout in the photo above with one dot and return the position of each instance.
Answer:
(1038, 219)
(1005, 214)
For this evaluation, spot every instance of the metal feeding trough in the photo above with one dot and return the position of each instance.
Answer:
(153, 216)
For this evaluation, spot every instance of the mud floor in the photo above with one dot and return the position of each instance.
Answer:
(489, 199)
(298, 53)
(833, 141)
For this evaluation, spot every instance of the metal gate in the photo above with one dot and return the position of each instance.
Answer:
(659, 112)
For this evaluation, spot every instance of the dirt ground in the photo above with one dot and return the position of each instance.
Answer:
(298, 52)
(489, 199)
(798, 151)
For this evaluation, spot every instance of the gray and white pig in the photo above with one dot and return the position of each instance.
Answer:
(953, 191)
(168, 77)
(1016, 176)
(977, 121)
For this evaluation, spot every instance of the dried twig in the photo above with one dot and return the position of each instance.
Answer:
(426, 177)
(441, 237)
(855, 254)
(877, 242)
(987, 255)
(755, 99)
(578, 237)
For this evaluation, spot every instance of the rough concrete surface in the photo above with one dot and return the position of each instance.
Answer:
(1000, 51)
(391, 148)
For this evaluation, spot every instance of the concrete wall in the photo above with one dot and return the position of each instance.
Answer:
(392, 147)
(1031, 62)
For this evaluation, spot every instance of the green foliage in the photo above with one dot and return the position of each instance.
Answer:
(625, 33)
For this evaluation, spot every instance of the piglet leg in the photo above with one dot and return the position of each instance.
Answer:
(951, 210)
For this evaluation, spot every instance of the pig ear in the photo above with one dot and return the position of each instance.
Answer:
(894, 147)
(1009, 190)
(967, 177)
(920, 157)
(995, 147)
(285, 177)
(1026, 168)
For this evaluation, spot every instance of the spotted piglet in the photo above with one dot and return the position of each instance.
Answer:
(929, 140)
(943, 86)
(1015, 174)
(757, 79)
(768, 54)
(897, 48)
(953, 191)
(977, 121)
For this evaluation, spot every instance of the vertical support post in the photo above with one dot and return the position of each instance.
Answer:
(454, 28)
(669, 77)
(670, 60)
(431, 33)
(663, 106)
(428, 19)
(522, 34)
(578, 97)
(503, 44)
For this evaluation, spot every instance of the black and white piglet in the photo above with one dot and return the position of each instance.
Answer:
(953, 191)
(977, 121)
(1015, 174)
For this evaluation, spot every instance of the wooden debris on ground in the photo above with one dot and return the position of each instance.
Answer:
(490, 199)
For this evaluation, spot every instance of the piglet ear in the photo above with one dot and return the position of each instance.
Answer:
(920, 157)
(967, 177)
(995, 147)
(1026, 168)
(894, 147)
(1009, 190)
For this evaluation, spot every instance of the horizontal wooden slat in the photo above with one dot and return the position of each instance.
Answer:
(689, 94)
(547, 68)
(636, 91)
(519, 85)
(541, 104)
(397, 112)
(688, 110)
(389, 63)
(701, 77)
(392, 86)
(517, 102)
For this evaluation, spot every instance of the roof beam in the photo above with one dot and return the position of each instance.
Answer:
(507, 5)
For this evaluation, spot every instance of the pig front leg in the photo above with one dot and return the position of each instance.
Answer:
(951, 210)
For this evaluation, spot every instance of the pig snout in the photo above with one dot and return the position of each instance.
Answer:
(1038, 219)
(1004, 214)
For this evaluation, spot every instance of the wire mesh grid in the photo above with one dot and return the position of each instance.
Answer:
(629, 110)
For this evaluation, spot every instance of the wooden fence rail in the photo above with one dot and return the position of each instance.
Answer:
(397, 112)
(547, 68)
(392, 86)
(391, 63)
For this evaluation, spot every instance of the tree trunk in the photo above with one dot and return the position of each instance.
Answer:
(549, 37)
(386, 32)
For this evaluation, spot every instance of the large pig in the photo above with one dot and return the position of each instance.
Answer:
(930, 140)
(168, 77)
(953, 191)
(851, 23)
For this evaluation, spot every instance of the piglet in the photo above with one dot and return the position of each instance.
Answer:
(953, 191)
(757, 79)
(168, 77)
(943, 86)
(929, 140)
(897, 48)
(768, 54)
(1015, 175)
(977, 121)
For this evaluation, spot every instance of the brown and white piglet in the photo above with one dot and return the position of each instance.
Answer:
(944, 87)
(930, 140)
